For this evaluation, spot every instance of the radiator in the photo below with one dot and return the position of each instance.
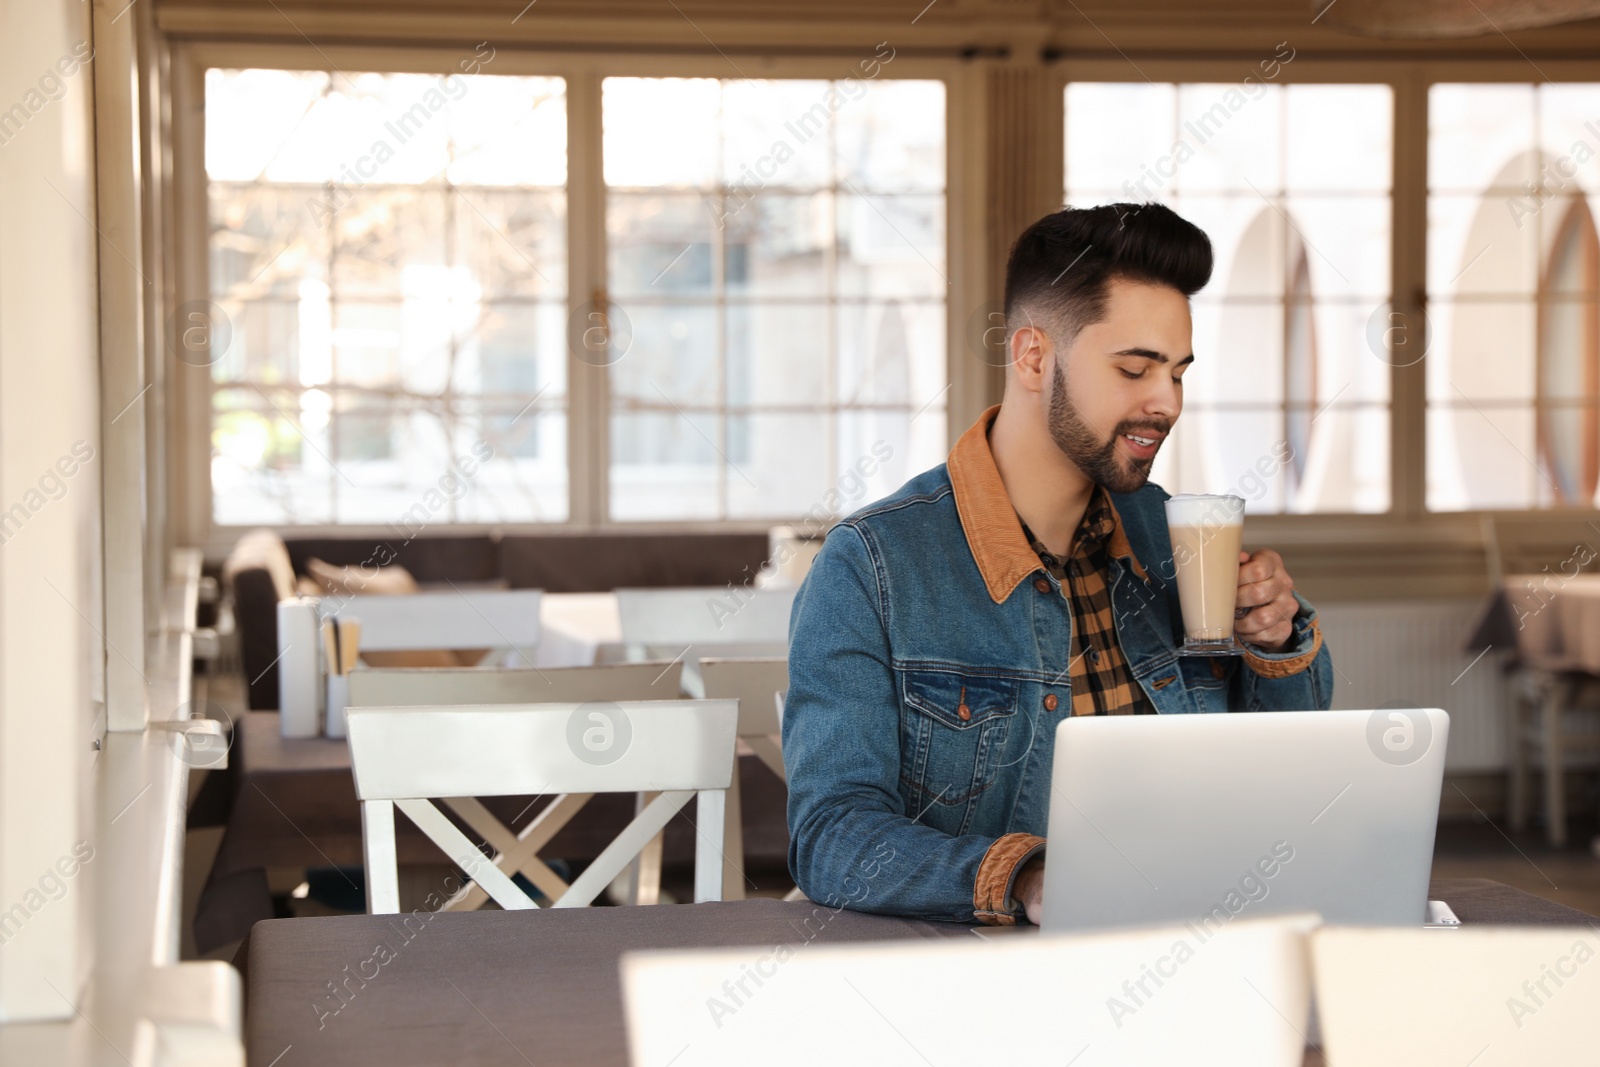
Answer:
(1413, 654)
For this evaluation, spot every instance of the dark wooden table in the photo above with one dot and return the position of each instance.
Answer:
(292, 803)
(493, 988)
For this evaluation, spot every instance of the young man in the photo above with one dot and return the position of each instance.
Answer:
(945, 631)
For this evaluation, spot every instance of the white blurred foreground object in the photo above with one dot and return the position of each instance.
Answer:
(1491, 997)
(405, 758)
(1153, 996)
(1244, 815)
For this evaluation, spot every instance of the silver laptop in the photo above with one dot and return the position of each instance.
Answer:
(1203, 819)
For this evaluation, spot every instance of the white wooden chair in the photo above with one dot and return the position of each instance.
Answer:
(405, 686)
(406, 757)
(694, 623)
(500, 619)
(758, 685)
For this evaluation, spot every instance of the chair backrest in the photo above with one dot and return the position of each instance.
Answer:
(757, 683)
(704, 616)
(401, 686)
(406, 757)
(1510, 995)
(495, 618)
(1154, 995)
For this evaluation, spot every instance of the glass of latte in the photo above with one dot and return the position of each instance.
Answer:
(1206, 535)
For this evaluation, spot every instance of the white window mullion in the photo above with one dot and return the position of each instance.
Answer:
(588, 384)
(1408, 414)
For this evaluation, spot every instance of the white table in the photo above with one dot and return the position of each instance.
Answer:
(579, 630)
(1557, 619)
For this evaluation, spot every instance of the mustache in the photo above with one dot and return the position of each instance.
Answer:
(1162, 428)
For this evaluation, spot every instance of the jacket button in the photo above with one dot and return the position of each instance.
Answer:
(1217, 670)
(964, 713)
(1094, 655)
(1041, 585)
(1051, 701)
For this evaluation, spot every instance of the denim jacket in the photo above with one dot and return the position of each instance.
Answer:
(928, 670)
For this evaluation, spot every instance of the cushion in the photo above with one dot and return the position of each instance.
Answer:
(263, 550)
(361, 581)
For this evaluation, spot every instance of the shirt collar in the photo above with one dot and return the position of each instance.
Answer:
(994, 535)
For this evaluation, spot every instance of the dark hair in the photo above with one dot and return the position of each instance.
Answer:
(1061, 265)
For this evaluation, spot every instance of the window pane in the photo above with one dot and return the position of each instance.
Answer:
(1117, 133)
(1513, 287)
(775, 133)
(661, 131)
(780, 245)
(674, 356)
(390, 253)
(660, 243)
(778, 314)
(1475, 132)
(1287, 403)
(891, 136)
(1238, 141)
(778, 354)
(891, 245)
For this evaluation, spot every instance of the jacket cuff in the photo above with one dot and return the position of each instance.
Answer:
(992, 903)
(1308, 632)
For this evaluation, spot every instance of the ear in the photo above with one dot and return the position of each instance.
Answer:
(1030, 349)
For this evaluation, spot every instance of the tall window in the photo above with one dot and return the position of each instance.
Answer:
(388, 319)
(1513, 288)
(777, 281)
(1287, 404)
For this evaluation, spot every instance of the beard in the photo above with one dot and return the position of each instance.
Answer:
(1098, 458)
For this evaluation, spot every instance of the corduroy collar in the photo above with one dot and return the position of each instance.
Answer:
(994, 534)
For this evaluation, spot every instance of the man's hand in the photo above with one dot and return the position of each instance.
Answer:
(1265, 607)
(1028, 889)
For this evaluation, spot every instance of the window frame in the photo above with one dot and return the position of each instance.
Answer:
(1404, 276)
(1408, 527)
(1234, 72)
(1436, 543)
(588, 393)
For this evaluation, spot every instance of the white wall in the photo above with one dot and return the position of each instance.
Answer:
(51, 662)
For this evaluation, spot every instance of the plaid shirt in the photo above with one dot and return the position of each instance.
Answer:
(1101, 681)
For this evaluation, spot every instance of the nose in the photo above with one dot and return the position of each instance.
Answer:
(1165, 400)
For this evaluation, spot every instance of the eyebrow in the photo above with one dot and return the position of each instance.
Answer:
(1148, 353)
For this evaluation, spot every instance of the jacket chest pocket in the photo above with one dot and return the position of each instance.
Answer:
(1206, 672)
(953, 730)
(1206, 679)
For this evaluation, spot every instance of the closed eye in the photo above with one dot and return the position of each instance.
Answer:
(1177, 379)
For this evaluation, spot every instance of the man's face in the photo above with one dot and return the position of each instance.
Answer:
(1118, 381)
